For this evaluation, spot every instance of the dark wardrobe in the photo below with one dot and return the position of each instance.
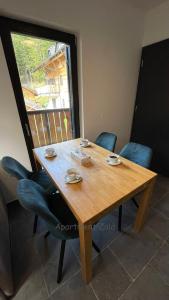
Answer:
(151, 116)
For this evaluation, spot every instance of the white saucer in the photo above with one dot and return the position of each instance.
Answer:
(113, 163)
(50, 156)
(85, 146)
(78, 179)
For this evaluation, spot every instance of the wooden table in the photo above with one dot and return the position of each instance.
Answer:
(102, 188)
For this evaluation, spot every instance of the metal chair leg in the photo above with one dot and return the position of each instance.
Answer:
(135, 202)
(95, 247)
(120, 218)
(47, 234)
(61, 258)
(35, 224)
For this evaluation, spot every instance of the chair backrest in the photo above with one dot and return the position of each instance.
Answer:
(106, 140)
(33, 197)
(14, 168)
(137, 153)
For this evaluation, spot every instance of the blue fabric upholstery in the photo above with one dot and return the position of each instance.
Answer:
(43, 179)
(14, 168)
(52, 208)
(137, 153)
(106, 140)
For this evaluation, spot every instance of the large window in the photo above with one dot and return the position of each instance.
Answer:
(43, 67)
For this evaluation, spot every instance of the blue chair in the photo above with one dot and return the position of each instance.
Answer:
(16, 169)
(140, 155)
(106, 140)
(59, 219)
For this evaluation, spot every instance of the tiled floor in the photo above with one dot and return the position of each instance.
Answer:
(130, 267)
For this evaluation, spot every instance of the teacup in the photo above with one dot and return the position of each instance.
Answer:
(113, 158)
(72, 174)
(50, 151)
(84, 142)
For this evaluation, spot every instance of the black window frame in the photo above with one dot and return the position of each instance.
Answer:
(8, 26)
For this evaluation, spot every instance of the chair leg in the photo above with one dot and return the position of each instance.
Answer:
(35, 224)
(61, 258)
(95, 247)
(46, 234)
(120, 218)
(135, 202)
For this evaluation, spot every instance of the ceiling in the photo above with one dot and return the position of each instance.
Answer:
(146, 4)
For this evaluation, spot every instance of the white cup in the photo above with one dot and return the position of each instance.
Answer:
(72, 174)
(113, 158)
(50, 151)
(84, 142)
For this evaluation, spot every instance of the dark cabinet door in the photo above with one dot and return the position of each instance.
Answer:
(151, 116)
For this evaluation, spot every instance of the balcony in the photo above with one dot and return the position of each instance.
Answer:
(50, 126)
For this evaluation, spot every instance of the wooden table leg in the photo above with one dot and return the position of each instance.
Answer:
(144, 206)
(85, 236)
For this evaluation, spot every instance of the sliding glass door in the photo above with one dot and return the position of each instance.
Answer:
(42, 64)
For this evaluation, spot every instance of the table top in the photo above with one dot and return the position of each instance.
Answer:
(103, 186)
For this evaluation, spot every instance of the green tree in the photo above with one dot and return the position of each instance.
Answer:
(30, 52)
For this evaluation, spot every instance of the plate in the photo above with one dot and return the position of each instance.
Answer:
(78, 179)
(115, 163)
(85, 146)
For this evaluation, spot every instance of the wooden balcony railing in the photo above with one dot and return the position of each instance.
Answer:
(50, 126)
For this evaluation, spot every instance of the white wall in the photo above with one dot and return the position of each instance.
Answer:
(156, 26)
(12, 142)
(11, 136)
(110, 36)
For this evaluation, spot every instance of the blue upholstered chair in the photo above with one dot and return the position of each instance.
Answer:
(106, 140)
(59, 219)
(140, 155)
(16, 169)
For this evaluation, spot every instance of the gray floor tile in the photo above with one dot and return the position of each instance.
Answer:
(163, 181)
(33, 288)
(161, 262)
(74, 289)
(75, 245)
(158, 223)
(163, 205)
(70, 267)
(135, 250)
(160, 190)
(148, 286)
(103, 233)
(109, 278)
(47, 248)
(105, 230)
